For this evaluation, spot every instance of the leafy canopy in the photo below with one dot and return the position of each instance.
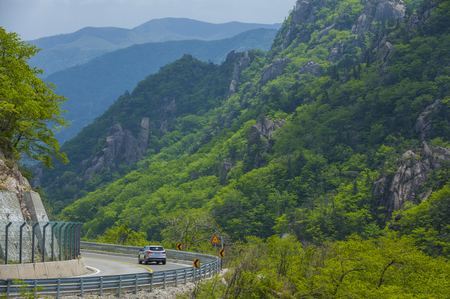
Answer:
(28, 106)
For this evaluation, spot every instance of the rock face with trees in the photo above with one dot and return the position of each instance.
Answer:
(336, 133)
(121, 147)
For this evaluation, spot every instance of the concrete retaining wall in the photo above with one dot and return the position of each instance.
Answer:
(44, 270)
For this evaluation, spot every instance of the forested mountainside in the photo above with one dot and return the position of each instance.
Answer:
(92, 87)
(60, 52)
(343, 123)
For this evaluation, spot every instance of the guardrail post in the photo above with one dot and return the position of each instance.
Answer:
(101, 286)
(43, 241)
(151, 283)
(58, 288)
(8, 287)
(195, 270)
(35, 288)
(33, 247)
(81, 286)
(176, 278)
(164, 283)
(185, 276)
(120, 286)
(6, 242)
(136, 284)
(21, 242)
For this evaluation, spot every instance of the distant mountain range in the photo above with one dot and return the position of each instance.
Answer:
(62, 51)
(92, 87)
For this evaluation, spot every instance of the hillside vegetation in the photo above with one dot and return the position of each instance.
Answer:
(297, 142)
(105, 78)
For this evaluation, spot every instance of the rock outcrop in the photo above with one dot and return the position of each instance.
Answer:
(224, 171)
(378, 12)
(385, 51)
(274, 70)
(336, 52)
(261, 134)
(303, 13)
(374, 14)
(424, 124)
(17, 201)
(239, 67)
(121, 147)
(406, 184)
(310, 68)
(421, 14)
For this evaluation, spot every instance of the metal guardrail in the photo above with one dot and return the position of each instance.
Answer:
(209, 266)
(171, 254)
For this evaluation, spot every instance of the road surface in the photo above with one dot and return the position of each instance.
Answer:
(103, 264)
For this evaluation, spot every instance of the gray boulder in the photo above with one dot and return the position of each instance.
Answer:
(407, 182)
(337, 52)
(378, 11)
(274, 70)
(310, 68)
(260, 134)
(239, 67)
(386, 50)
(302, 11)
(121, 147)
(424, 123)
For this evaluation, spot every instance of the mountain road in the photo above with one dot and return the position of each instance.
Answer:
(101, 264)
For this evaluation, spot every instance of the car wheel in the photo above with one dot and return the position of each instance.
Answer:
(164, 262)
(139, 261)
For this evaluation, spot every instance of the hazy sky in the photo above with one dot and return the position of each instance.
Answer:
(32, 19)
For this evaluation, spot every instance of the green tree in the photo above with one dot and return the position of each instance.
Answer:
(123, 235)
(28, 106)
(189, 227)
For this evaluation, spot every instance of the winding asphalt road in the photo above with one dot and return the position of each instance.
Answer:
(104, 264)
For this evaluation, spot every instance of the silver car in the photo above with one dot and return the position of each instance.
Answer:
(152, 253)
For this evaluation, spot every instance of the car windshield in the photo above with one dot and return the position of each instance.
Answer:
(156, 248)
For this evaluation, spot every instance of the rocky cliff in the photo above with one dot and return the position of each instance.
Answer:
(373, 14)
(121, 147)
(406, 185)
(274, 70)
(17, 201)
(239, 67)
(259, 139)
(414, 167)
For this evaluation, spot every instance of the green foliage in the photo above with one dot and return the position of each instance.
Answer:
(123, 235)
(24, 292)
(312, 178)
(192, 228)
(429, 223)
(27, 105)
(376, 268)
